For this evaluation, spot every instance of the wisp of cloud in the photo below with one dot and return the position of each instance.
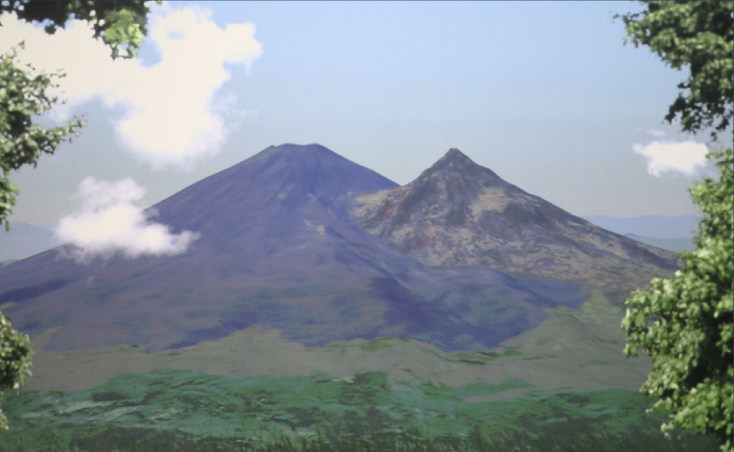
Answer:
(109, 223)
(170, 109)
(684, 157)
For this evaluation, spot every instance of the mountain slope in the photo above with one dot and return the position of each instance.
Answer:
(279, 249)
(457, 213)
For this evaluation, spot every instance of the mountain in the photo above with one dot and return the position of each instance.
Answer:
(459, 214)
(23, 240)
(278, 249)
(286, 308)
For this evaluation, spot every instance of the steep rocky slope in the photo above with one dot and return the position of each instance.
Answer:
(460, 214)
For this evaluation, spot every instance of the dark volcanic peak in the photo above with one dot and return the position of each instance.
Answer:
(277, 180)
(300, 154)
(310, 168)
(458, 213)
(275, 234)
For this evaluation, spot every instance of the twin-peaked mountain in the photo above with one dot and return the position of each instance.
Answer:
(299, 239)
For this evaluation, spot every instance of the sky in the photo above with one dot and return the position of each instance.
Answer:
(545, 94)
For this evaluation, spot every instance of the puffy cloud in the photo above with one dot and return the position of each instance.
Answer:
(671, 156)
(171, 113)
(109, 223)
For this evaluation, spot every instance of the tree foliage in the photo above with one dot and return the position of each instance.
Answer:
(698, 36)
(120, 24)
(24, 91)
(685, 323)
(15, 359)
(23, 96)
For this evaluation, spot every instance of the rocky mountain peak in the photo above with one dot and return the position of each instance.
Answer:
(455, 157)
(442, 194)
(457, 175)
(458, 213)
(455, 161)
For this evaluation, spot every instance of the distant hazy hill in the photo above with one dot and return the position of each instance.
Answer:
(675, 245)
(655, 226)
(458, 213)
(23, 240)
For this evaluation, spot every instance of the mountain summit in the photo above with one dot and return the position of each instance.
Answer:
(458, 213)
(277, 180)
(457, 161)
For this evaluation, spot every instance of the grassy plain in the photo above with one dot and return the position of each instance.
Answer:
(185, 410)
(563, 386)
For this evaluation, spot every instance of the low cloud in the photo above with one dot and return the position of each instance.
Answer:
(109, 223)
(684, 157)
(171, 111)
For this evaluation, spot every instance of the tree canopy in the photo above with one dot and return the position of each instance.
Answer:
(685, 323)
(24, 96)
(697, 36)
(24, 93)
(120, 24)
(15, 359)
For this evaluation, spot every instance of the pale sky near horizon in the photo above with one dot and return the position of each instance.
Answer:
(543, 93)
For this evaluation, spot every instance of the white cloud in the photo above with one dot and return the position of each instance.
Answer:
(171, 110)
(109, 223)
(670, 156)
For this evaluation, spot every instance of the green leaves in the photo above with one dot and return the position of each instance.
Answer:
(125, 32)
(698, 36)
(23, 96)
(120, 24)
(15, 359)
(685, 323)
(24, 92)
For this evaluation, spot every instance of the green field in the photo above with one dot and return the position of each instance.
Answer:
(183, 410)
(563, 386)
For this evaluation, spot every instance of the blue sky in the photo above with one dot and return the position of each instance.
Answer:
(543, 93)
